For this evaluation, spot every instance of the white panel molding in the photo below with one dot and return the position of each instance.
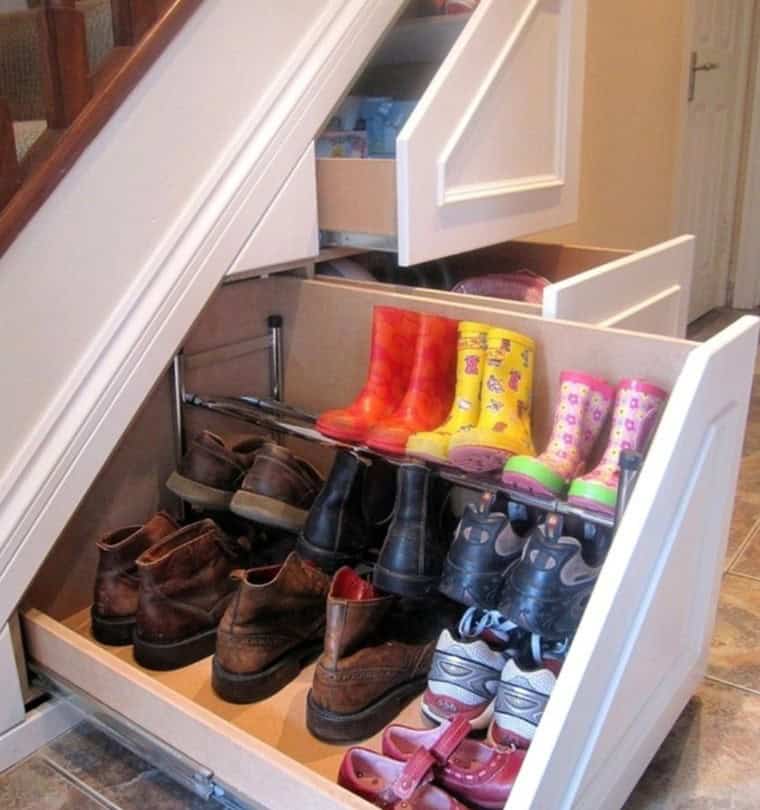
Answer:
(289, 230)
(44, 480)
(448, 195)
(40, 726)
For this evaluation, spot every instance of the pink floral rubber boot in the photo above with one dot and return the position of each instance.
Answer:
(578, 420)
(637, 407)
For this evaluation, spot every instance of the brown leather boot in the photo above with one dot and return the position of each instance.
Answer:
(274, 625)
(116, 581)
(278, 490)
(378, 650)
(185, 587)
(213, 468)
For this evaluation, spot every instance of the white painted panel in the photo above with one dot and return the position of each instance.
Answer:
(289, 230)
(635, 292)
(492, 150)
(12, 701)
(101, 286)
(642, 646)
(40, 726)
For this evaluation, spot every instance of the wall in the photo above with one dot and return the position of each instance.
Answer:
(635, 85)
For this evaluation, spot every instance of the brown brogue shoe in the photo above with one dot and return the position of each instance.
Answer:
(273, 626)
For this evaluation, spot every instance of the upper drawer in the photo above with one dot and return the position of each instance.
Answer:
(643, 291)
(491, 149)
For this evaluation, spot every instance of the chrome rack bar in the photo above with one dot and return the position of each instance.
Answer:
(276, 417)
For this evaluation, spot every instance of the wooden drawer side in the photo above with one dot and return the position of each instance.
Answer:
(357, 196)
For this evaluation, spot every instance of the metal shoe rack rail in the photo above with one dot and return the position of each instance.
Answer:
(274, 415)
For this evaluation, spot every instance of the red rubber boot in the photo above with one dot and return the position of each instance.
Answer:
(431, 388)
(392, 353)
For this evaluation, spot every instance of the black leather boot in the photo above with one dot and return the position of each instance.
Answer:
(411, 559)
(355, 503)
(490, 536)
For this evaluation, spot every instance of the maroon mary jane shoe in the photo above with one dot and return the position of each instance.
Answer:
(394, 785)
(476, 773)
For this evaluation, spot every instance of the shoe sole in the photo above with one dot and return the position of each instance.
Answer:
(199, 495)
(345, 728)
(254, 686)
(470, 588)
(163, 657)
(115, 632)
(328, 561)
(410, 585)
(268, 511)
(478, 723)
(478, 459)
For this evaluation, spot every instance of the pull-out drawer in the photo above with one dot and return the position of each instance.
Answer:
(643, 291)
(492, 148)
(641, 647)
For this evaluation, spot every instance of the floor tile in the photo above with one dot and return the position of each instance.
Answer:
(115, 773)
(35, 785)
(709, 760)
(748, 562)
(735, 650)
(747, 504)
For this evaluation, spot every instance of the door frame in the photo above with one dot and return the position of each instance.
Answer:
(745, 255)
(750, 289)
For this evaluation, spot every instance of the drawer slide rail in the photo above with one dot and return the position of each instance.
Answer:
(187, 772)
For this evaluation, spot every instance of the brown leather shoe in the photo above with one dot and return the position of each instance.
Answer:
(274, 625)
(212, 469)
(378, 650)
(185, 587)
(116, 581)
(278, 490)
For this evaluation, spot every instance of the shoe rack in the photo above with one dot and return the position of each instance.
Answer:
(280, 419)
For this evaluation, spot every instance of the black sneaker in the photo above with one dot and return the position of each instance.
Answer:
(547, 589)
(487, 541)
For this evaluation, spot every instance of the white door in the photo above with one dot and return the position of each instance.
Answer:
(720, 46)
(492, 150)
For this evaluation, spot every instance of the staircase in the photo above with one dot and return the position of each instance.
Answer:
(65, 65)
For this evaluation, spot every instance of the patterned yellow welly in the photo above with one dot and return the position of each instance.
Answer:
(505, 406)
(471, 350)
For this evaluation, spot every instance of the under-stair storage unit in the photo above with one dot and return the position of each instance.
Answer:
(644, 291)
(491, 149)
(641, 647)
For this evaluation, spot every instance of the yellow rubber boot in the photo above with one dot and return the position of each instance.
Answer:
(504, 425)
(465, 412)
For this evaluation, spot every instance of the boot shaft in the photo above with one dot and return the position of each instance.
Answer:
(394, 336)
(471, 350)
(638, 405)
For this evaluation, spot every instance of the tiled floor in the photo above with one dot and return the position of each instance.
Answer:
(710, 760)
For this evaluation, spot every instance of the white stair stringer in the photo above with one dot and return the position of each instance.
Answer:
(100, 288)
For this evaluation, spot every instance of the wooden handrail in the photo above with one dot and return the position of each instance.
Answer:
(118, 75)
(10, 173)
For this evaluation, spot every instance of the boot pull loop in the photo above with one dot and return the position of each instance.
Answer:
(486, 501)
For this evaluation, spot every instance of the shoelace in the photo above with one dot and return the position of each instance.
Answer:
(541, 650)
(475, 621)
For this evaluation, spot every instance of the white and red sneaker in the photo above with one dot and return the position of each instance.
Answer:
(465, 671)
(521, 699)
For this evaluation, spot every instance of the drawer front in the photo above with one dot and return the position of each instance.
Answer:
(293, 212)
(264, 750)
(492, 150)
(646, 291)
